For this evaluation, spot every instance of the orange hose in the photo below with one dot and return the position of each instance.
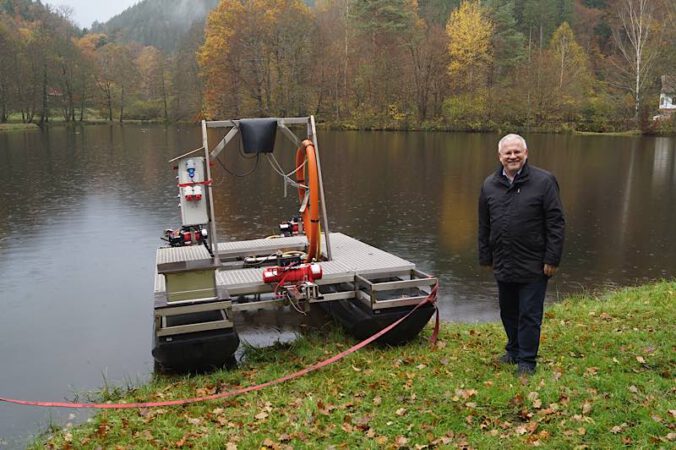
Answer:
(309, 176)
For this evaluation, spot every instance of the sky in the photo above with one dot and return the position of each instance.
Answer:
(84, 12)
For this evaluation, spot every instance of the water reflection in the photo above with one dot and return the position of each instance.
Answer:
(82, 209)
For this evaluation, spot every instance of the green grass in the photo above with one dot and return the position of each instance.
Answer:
(7, 127)
(609, 133)
(605, 380)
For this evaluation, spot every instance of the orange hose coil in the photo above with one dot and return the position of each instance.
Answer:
(309, 176)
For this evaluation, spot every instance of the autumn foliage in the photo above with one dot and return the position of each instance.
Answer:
(458, 64)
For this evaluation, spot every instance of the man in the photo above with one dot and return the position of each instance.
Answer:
(521, 228)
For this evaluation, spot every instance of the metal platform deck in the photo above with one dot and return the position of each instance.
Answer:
(351, 257)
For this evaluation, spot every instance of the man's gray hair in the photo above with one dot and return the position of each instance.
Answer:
(512, 137)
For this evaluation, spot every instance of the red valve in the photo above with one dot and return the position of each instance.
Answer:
(309, 272)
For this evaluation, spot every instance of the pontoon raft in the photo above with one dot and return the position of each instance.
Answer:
(199, 286)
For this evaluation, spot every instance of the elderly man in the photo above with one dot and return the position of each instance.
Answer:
(521, 228)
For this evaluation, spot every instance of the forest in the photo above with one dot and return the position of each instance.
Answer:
(552, 65)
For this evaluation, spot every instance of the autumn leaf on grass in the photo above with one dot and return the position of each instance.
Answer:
(640, 359)
(381, 440)
(534, 397)
(591, 371)
(400, 412)
(618, 428)
(401, 441)
(261, 415)
(377, 400)
(465, 394)
(586, 408)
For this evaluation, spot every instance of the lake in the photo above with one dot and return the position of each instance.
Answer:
(82, 210)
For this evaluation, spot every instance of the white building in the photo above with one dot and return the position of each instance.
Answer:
(668, 95)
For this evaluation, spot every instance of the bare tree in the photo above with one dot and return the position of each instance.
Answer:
(636, 38)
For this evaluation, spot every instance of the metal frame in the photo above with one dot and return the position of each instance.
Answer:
(282, 125)
(222, 308)
(371, 271)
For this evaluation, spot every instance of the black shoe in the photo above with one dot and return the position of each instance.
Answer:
(507, 359)
(525, 369)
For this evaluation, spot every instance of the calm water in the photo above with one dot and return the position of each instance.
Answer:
(81, 212)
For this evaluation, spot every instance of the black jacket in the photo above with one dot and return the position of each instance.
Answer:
(521, 225)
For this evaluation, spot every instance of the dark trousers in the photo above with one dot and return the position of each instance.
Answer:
(521, 307)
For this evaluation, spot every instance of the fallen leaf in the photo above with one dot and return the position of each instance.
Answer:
(465, 393)
(640, 359)
(381, 440)
(261, 415)
(633, 389)
(581, 431)
(591, 371)
(586, 408)
(401, 441)
(347, 427)
(377, 400)
(616, 429)
(230, 446)
(268, 443)
(400, 412)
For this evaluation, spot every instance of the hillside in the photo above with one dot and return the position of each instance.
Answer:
(160, 23)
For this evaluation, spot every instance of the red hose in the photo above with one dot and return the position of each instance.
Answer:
(431, 299)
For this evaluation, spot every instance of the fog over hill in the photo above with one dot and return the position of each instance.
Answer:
(160, 23)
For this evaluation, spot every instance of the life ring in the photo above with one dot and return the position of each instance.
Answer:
(308, 177)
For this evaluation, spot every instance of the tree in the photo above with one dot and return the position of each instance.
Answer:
(9, 46)
(572, 67)
(637, 37)
(469, 32)
(256, 59)
(153, 79)
(186, 82)
(382, 32)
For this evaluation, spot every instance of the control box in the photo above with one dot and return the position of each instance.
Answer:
(192, 190)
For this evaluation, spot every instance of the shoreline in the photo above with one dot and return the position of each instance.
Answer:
(445, 128)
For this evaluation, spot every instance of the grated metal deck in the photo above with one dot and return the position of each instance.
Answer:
(350, 257)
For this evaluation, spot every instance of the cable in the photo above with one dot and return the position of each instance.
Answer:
(238, 175)
(244, 156)
(280, 171)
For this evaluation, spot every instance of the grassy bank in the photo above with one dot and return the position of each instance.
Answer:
(605, 380)
(7, 127)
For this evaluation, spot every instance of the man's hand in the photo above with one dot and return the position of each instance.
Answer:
(549, 270)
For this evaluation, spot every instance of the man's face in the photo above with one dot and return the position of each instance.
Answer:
(512, 155)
